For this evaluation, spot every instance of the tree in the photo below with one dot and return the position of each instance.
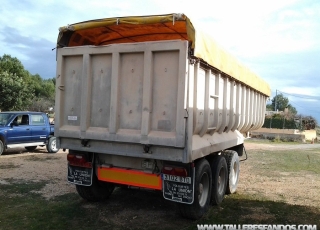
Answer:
(15, 93)
(19, 90)
(40, 105)
(43, 88)
(44, 93)
(13, 66)
(269, 107)
(280, 102)
(308, 122)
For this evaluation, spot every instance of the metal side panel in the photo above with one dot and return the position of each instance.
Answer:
(124, 93)
(221, 109)
(203, 146)
(220, 104)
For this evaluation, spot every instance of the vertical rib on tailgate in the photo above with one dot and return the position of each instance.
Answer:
(126, 93)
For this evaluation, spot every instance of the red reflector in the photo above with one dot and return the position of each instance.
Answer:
(79, 160)
(177, 171)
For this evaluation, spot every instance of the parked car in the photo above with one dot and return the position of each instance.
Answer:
(26, 129)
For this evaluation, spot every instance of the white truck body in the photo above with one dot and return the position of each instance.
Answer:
(124, 96)
(135, 107)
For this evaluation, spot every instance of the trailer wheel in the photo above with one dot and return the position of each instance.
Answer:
(52, 145)
(202, 192)
(98, 191)
(233, 170)
(1, 147)
(219, 179)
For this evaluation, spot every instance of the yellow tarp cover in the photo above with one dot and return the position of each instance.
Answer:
(157, 28)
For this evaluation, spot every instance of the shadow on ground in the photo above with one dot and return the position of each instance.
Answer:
(16, 151)
(135, 209)
(141, 209)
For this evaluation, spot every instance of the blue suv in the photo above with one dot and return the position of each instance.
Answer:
(26, 129)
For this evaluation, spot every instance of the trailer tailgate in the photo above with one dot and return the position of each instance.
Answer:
(131, 93)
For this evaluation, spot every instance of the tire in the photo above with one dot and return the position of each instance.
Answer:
(202, 192)
(1, 147)
(52, 145)
(30, 148)
(219, 179)
(233, 170)
(98, 191)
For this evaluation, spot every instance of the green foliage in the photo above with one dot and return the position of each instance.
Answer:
(280, 102)
(15, 93)
(292, 109)
(19, 90)
(40, 105)
(269, 107)
(13, 66)
(44, 93)
(43, 88)
(277, 139)
(279, 122)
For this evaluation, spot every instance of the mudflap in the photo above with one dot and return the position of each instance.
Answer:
(178, 189)
(80, 175)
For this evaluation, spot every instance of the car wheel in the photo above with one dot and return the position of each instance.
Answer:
(52, 145)
(1, 147)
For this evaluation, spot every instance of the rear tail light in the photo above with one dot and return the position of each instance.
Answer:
(80, 160)
(176, 171)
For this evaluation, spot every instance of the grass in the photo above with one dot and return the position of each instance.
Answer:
(21, 188)
(294, 160)
(23, 208)
(247, 209)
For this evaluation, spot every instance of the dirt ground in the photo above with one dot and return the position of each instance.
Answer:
(19, 164)
(294, 188)
(41, 166)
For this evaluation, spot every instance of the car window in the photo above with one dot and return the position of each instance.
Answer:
(37, 119)
(4, 118)
(22, 119)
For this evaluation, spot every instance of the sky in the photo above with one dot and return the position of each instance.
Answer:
(278, 40)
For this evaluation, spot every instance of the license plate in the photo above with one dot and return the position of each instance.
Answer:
(79, 175)
(178, 189)
(180, 179)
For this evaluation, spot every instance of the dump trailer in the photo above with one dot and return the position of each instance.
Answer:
(151, 102)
